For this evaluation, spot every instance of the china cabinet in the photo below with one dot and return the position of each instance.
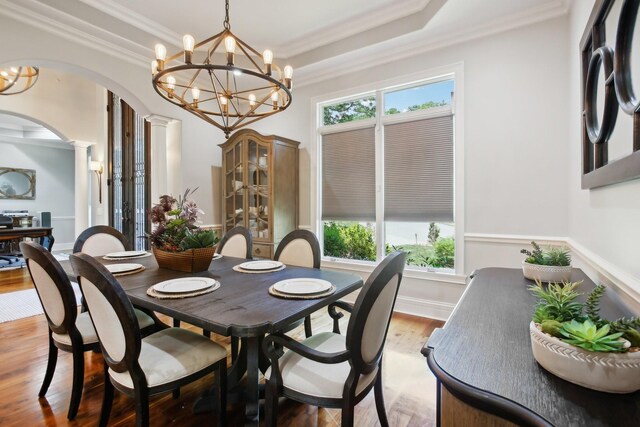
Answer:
(260, 187)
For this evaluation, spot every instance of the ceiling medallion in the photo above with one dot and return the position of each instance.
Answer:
(227, 90)
(15, 80)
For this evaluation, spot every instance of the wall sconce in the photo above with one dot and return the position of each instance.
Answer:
(98, 169)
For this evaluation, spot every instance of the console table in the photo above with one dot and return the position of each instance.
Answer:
(486, 373)
(7, 234)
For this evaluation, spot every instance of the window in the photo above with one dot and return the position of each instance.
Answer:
(387, 175)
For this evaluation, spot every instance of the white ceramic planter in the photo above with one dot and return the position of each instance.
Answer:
(546, 273)
(608, 372)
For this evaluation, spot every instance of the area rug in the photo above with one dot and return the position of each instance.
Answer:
(21, 304)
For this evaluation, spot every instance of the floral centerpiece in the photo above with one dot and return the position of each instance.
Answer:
(177, 242)
(571, 340)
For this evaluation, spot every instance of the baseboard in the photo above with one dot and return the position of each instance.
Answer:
(424, 308)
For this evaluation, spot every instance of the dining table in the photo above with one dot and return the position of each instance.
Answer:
(241, 307)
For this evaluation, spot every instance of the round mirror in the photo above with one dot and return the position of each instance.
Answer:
(17, 183)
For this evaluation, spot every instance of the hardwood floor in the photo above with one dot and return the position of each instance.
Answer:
(409, 386)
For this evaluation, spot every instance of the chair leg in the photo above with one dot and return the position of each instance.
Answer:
(176, 393)
(206, 334)
(221, 380)
(51, 367)
(78, 382)
(382, 413)
(307, 327)
(347, 413)
(176, 323)
(107, 398)
(142, 407)
(271, 404)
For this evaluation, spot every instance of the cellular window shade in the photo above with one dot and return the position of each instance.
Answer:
(348, 175)
(418, 170)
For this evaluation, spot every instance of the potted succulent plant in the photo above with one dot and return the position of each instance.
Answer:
(178, 244)
(573, 342)
(552, 265)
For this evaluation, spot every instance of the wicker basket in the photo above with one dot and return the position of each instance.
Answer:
(189, 261)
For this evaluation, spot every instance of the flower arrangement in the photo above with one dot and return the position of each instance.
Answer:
(175, 227)
(552, 265)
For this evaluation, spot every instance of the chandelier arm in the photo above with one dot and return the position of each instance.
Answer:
(211, 76)
(215, 45)
(249, 57)
(255, 89)
(13, 82)
(193, 79)
(235, 85)
(243, 43)
(270, 113)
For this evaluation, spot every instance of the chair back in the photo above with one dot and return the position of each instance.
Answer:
(237, 243)
(300, 248)
(111, 312)
(100, 240)
(372, 312)
(53, 288)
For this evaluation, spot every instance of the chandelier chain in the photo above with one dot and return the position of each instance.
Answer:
(227, 25)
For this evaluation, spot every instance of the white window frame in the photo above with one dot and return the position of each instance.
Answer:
(318, 129)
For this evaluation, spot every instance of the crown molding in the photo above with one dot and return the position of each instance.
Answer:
(349, 27)
(49, 143)
(52, 20)
(415, 44)
(158, 120)
(136, 20)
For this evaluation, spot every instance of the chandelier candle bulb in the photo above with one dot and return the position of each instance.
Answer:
(230, 47)
(161, 55)
(188, 42)
(274, 98)
(223, 103)
(252, 100)
(195, 94)
(171, 85)
(154, 67)
(288, 73)
(267, 57)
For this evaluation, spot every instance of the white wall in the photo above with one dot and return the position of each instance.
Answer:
(603, 221)
(54, 184)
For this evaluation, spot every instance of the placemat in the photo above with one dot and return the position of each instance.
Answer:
(240, 270)
(275, 293)
(155, 294)
(127, 257)
(125, 273)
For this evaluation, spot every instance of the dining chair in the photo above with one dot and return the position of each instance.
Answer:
(335, 371)
(100, 240)
(142, 367)
(68, 330)
(237, 242)
(300, 248)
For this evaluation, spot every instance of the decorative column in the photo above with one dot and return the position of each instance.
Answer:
(81, 186)
(159, 139)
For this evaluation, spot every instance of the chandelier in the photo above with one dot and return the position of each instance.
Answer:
(14, 80)
(227, 90)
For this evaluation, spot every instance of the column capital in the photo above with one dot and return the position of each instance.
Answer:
(81, 144)
(157, 120)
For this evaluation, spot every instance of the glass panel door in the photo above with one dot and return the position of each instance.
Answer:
(235, 187)
(128, 172)
(259, 191)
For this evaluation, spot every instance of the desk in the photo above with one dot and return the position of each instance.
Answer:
(486, 373)
(242, 307)
(7, 234)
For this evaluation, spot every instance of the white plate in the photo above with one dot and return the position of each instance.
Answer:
(217, 256)
(122, 268)
(302, 286)
(184, 284)
(125, 254)
(260, 265)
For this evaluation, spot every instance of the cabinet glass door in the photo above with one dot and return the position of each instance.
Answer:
(235, 187)
(258, 189)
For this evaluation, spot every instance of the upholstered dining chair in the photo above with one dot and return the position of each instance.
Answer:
(68, 330)
(236, 242)
(335, 371)
(300, 248)
(141, 367)
(100, 240)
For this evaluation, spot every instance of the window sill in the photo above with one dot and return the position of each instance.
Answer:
(413, 273)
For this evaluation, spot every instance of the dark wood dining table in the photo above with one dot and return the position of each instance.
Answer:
(242, 307)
